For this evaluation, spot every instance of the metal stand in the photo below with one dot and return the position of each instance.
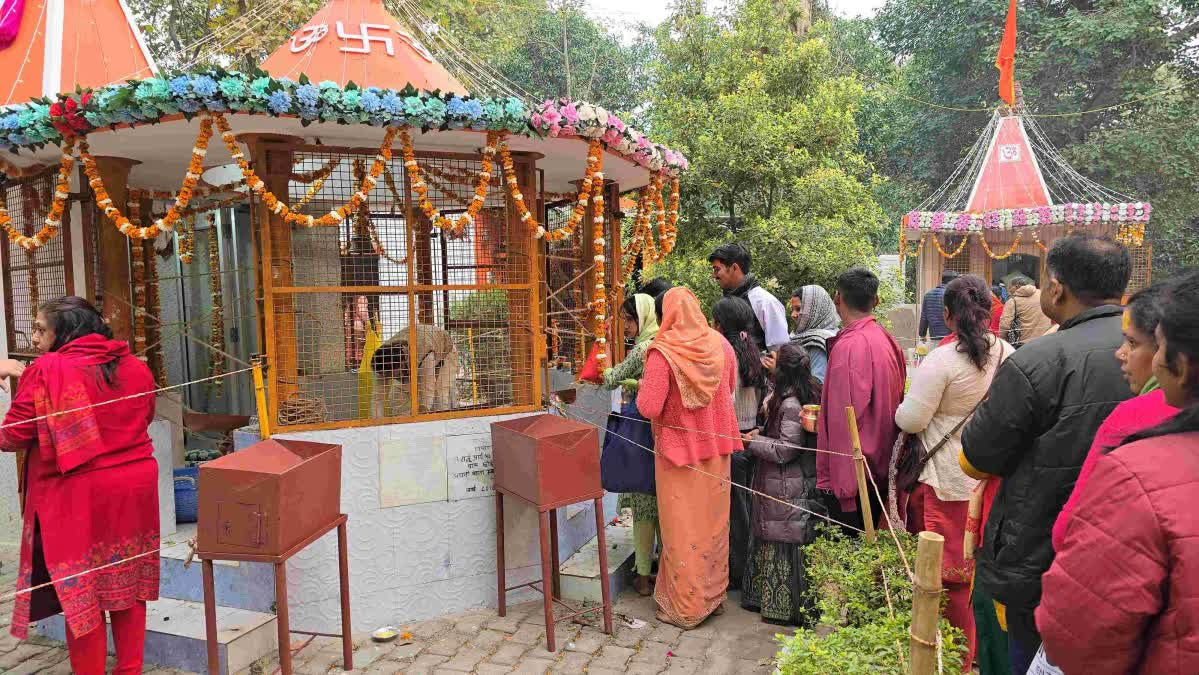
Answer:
(550, 576)
(280, 563)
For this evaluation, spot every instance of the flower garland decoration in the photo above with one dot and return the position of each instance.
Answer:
(1131, 234)
(316, 174)
(395, 191)
(600, 304)
(455, 226)
(182, 199)
(187, 239)
(313, 190)
(137, 262)
(217, 318)
(53, 221)
(160, 367)
(1072, 214)
(589, 186)
(14, 172)
(280, 209)
(668, 235)
(364, 224)
(1011, 250)
(563, 118)
(958, 251)
(904, 249)
(518, 198)
(640, 241)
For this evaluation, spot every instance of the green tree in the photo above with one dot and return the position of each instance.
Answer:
(769, 125)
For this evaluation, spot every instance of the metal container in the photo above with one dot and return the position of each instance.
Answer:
(548, 461)
(269, 497)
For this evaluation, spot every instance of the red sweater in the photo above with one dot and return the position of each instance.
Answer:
(689, 436)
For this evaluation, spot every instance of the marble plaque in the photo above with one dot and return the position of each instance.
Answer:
(470, 470)
(412, 471)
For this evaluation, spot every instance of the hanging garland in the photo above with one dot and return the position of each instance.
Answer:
(905, 250)
(958, 251)
(455, 226)
(166, 223)
(667, 220)
(309, 195)
(366, 224)
(54, 217)
(138, 266)
(187, 239)
(640, 242)
(279, 208)
(395, 192)
(160, 367)
(318, 174)
(1011, 250)
(15, 172)
(518, 199)
(217, 326)
(600, 304)
(595, 165)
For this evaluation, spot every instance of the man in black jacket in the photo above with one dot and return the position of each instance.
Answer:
(1045, 404)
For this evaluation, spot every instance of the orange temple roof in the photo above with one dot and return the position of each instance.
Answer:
(359, 41)
(62, 44)
(1010, 177)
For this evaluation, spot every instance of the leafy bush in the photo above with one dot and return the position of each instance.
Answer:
(849, 580)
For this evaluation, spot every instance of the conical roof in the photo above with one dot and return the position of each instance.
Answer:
(61, 44)
(359, 41)
(1010, 177)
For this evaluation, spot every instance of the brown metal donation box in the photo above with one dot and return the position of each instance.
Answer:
(269, 497)
(549, 462)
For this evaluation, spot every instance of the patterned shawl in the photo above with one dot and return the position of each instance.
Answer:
(818, 320)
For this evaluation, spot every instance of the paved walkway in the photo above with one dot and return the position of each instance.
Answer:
(479, 641)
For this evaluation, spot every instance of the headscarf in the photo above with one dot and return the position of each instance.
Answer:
(818, 321)
(694, 351)
(647, 318)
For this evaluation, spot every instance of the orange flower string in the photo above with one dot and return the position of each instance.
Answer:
(187, 239)
(194, 168)
(280, 209)
(600, 304)
(53, 223)
(595, 164)
(1008, 254)
(958, 251)
(455, 226)
(518, 199)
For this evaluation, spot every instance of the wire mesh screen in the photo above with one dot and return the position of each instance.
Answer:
(32, 278)
(1142, 267)
(961, 262)
(385, 315)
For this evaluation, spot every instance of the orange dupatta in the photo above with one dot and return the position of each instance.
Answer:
(694, 351)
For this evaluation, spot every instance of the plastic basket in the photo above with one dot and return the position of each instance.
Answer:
(187, 494)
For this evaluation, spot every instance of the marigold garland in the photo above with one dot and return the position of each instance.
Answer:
(455, 226)
(1010, 252)
(595, 165)
(15, 172)
(217, 318)
(313, 190)
(667, 219)
(640, 241)
(280, 209)
(137, 261)
(166, 223)
(1036, 237)
(187, 239)
(600, 304)
(317, 174)
(57, 206)
(905, 250)
(365, 225)
(160, 367)
(518, 198)
(950, 256)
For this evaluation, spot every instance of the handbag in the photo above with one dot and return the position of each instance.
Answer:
(1013, 331)
(913, 457)
(627, 458)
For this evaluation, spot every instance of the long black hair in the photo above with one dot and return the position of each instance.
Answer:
(71, 318)
(629, 307)
(968, 301)
(792, 377)
(735, 320)
(1179, 323)
(1144, 309)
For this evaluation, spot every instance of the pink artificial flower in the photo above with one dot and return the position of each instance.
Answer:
(611, 137)
(536, 120)
(643, 143)
(615, 123)
(568, 130)
(571, 113)
(551, 117)
(555, 130)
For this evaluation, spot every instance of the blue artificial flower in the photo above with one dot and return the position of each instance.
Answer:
(327, 85)
(474, 109)
(17, 139)
(204, 86)
(456, 107)
(413, 106)
(10, 122)
(216, 105)
(260, 86)
(181, 86)
(308, 95)
(26, 117)
(351, 98)
(151, 90)
(308, 112)
(189, 106)
(233, 86)
(393, 104)
(280, 102)
(370, 102)
(331, 96)
(435, 111)
(286, 81)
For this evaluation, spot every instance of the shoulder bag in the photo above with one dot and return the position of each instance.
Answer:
(1013, 331)
(913, 456)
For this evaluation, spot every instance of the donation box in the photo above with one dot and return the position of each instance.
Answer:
(269, 497)
(546, 460)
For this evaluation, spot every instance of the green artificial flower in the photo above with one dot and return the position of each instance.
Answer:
(232, 87)
(351, 99)
(260, 87)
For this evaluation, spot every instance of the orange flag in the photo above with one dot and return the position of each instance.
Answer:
(1006, 60)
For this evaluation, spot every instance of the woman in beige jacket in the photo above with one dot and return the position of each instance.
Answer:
(1023, 309)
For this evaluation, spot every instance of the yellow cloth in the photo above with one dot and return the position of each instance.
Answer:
(366, 376)
(1001, 614)
(969, 469)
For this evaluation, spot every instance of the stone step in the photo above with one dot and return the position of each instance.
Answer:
(242, 585)
(175, 636)
(581, 572)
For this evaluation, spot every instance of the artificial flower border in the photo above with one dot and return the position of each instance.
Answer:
(41, 121)
(1011, 219)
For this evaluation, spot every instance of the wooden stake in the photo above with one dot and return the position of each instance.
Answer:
(859, 469)
(926, 603)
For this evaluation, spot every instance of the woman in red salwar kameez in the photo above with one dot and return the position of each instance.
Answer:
(91, 486)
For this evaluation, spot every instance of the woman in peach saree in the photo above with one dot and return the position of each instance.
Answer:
(687, 393)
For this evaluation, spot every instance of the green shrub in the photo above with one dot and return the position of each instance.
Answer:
(879, 647)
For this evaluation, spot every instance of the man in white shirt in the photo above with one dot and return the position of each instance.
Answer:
(730, 269)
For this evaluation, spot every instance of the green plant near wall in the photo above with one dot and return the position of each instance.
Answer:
(861, 590)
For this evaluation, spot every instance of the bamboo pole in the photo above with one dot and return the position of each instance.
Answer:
(926, 603)
(859, 469)
(264, 420)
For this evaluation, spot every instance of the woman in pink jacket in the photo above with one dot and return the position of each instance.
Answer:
(687, 393)
(1122, 595)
